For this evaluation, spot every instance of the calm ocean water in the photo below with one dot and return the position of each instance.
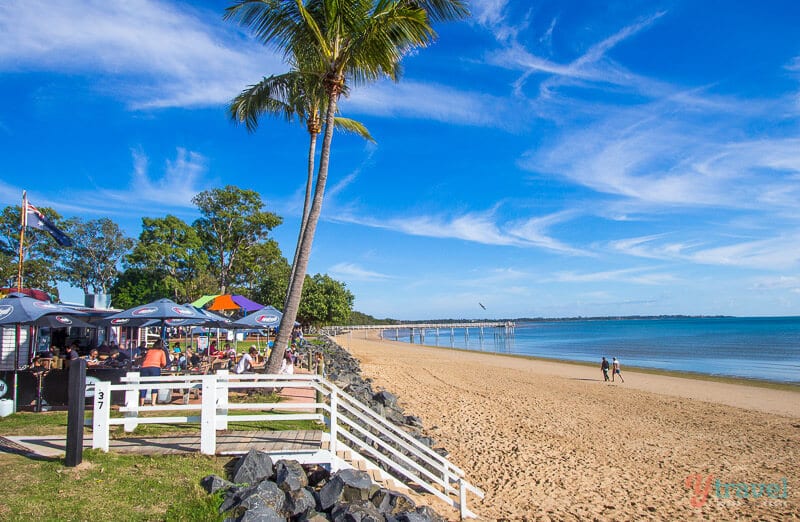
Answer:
(751, 347)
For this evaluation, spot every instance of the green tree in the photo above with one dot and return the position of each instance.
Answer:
(325, 301)
(92, 264)
(39, 269)
(232, 221)
(171, 249)
(257, 264)
(356, 41)
(137, 286)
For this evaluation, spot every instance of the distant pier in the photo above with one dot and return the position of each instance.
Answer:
(416, 333)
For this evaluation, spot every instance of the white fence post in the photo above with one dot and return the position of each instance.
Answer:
(222, 399)
(334, 432)
(131, 403)
(208, 416)
(101, 415)
(462, 500)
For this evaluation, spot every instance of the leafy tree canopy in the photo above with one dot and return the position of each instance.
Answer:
(232, 219)
(172, 249)
(92, 263)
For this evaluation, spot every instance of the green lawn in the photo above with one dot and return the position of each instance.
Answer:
(108, 486)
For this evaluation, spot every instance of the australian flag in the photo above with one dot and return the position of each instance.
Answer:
(35, 219)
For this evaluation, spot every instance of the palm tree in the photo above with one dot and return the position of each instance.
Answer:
(292, 95)
(338, 41)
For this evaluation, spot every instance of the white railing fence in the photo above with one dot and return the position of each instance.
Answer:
(350, 424)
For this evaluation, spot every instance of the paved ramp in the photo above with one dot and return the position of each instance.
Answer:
(232, 443)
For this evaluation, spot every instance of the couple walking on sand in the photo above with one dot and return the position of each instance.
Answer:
(604, 366)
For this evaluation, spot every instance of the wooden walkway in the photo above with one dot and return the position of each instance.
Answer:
(231, 443)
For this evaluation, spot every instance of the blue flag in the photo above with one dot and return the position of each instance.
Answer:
(34, 218)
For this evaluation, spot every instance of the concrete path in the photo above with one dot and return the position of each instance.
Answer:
(235, 443)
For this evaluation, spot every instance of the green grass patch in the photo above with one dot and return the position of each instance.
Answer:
(107, 486)
(28, 423)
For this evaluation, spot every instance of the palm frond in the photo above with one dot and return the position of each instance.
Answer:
(353, 127)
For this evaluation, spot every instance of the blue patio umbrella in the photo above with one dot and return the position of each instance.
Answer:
(159, 312)
(18, 308)
(267, 317)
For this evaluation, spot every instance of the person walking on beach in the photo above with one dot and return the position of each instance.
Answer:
(615, 370)
(604, 366)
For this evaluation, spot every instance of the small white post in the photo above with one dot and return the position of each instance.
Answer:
(462, 500)
(101, 415)
(208, 415)
(334, 432)
(222, 399)
(131, 402)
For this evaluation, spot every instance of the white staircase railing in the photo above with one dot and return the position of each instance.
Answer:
(350, 425)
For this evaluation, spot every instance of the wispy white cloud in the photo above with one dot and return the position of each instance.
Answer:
(170, 190)
(354, 272)
(672, 162)
(478, 227)
(179, 56)
(774, 253)
(350, 178)
(592, 67)
(629, 275)
(431, 101)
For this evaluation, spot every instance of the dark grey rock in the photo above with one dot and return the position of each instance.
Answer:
(356, 512)
(253, 467)
(408, 516)
(413, 420)
(317, 476)
(427, 441)
(272, 495)
(391, 502)
(214, 483)
(261, 514)
(348, 485)
(299, 502)
(313, 516)
(386, 398)
(290, 475)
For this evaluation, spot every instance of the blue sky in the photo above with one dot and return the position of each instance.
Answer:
(543, 158)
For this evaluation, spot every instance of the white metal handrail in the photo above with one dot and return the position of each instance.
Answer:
(348, 420)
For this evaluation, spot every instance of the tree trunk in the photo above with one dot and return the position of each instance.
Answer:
(304, 249)
(312, 147)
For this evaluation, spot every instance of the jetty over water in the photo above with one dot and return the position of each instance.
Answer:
(417, 332)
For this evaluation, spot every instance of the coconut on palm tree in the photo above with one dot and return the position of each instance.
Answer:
(340, 42)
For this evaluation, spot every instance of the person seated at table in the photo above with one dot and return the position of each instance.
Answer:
(117, 358)
(93, 359)
(247, 362)
(212, 349)
(176, 348)
(192, 359)
(179, 360)
(72, 352)
(104, 350)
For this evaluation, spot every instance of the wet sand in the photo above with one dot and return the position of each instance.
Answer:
(552, 441)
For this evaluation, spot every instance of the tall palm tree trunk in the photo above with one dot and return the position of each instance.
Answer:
(312, 150)
(304, 250)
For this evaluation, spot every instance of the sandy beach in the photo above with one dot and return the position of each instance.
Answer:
(552, 441)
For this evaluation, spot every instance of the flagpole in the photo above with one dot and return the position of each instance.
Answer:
(22, 223)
